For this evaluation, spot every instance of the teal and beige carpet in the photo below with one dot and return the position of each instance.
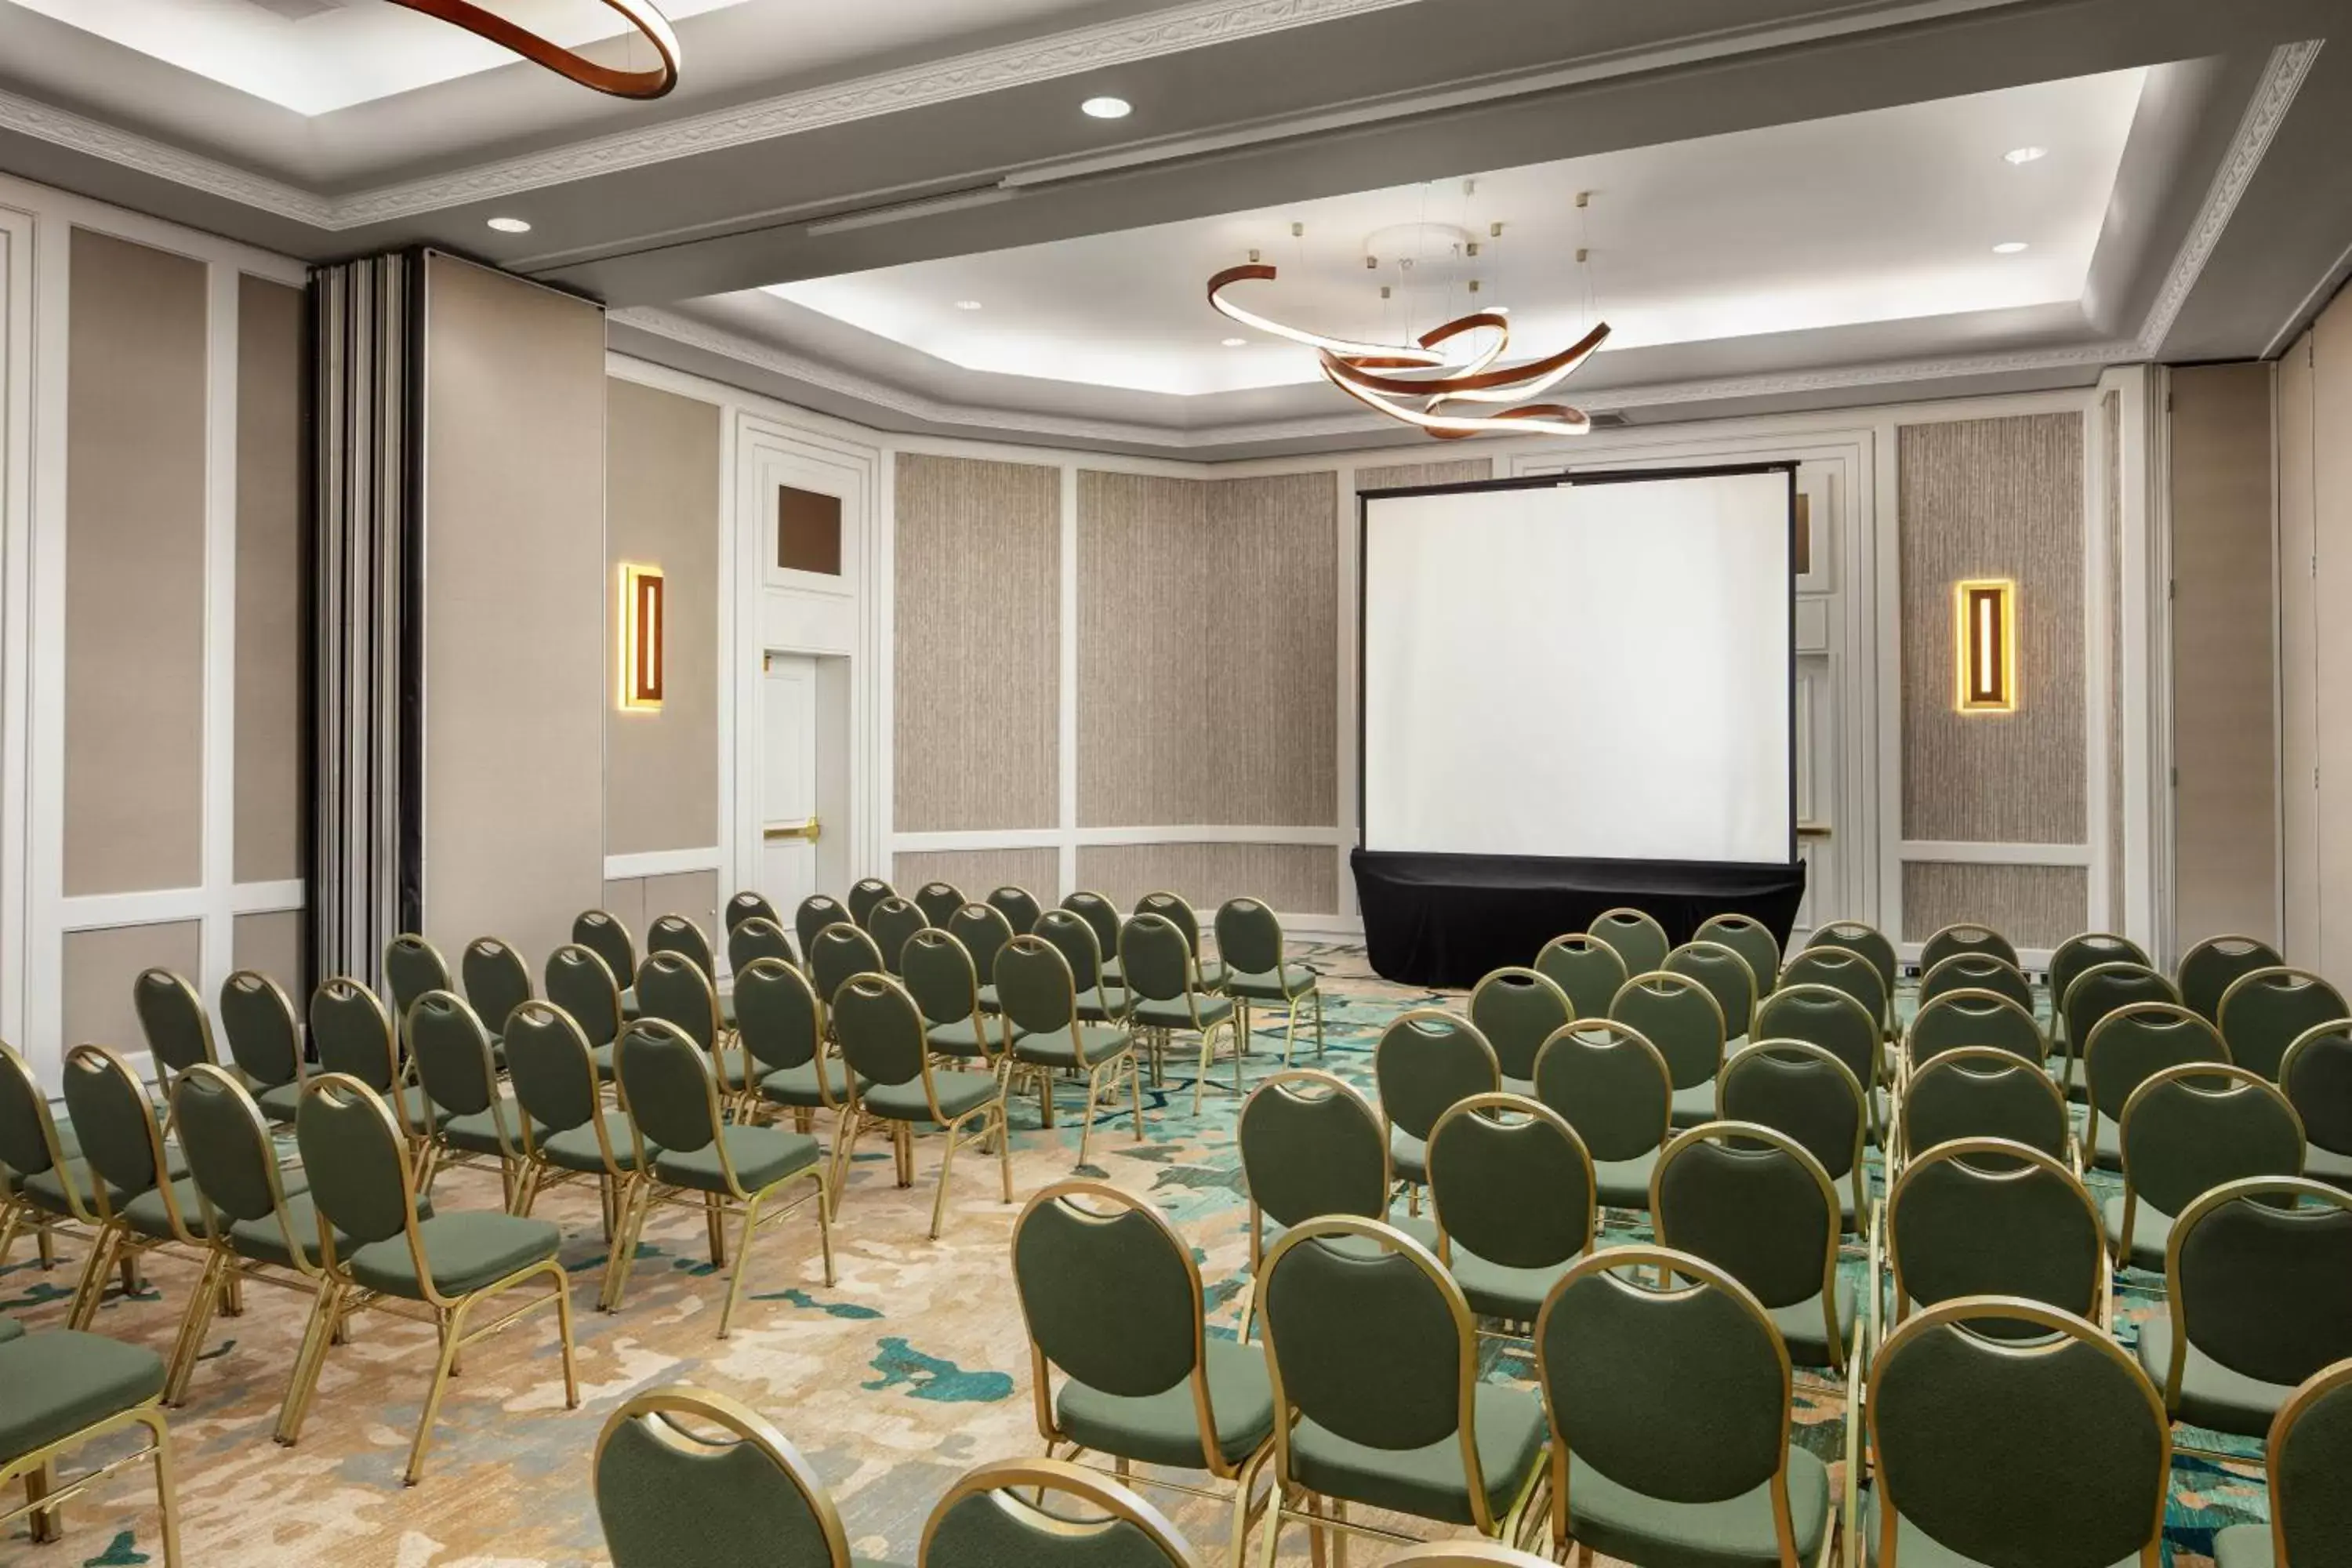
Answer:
(909, 1371)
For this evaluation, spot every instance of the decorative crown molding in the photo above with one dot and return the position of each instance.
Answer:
(79, 133)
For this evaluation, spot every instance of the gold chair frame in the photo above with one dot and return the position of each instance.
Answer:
(1458, 1023)
(45, 1496)
(1006, 1478)
(2315, 1388)
(16, 1208)
(990, 1113)
(1127, 1056)
(1195, 987)
(657, 1410)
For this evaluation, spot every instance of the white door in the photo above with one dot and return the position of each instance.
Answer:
(788, 823)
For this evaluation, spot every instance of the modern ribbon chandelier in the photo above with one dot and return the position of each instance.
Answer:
(569, 64)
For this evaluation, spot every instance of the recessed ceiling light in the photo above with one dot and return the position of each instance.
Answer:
(2026, 154)
(967, 304)
(510, 225)
(1108, 107)
(1235, 342)
(2009, 248)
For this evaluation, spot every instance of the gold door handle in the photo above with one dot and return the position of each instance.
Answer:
(1813, 830)
(807, 830)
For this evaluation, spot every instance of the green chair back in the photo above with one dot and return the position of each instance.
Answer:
(880, 1030)
(1069, 932)
(1677, 1014)
(453, 1054)
(1374, 1344)
(578, 982)
(1509, 1179)
(1249, 937)
(1825, 1016)
(776, 1013)
(496, 981)
(1727, 977)
(1947, 1402)
(1865, 942)
(749, 906)
(2317, 1074)
(864, 894)
(1976, 972)
(1107, 1288)
(2099, 991)
(1958, 1019)
(115, 1121)
(2140, 1039)
(672, 987)
(354, 1158)
(28, 1135)
(608, 939)
(1988, 1217)
(353, 1033)
(2070, 959)
(411, 966)
(815, 913)
(2262, 1286)
(891, 922)
(172, 1017)
(939, 975)
(264, 1037)
(1155, 958)
(1842, 970)
(1611, 1085)
(1019, 907)
(1753, 1203)
(2190, 1129)
(1639, 939)
(841, 952)
(1171, 907)
(983, 930)
(669, 1492)
(1802, 1092)
(939, 901)
(1427, 1061)
(667, 1084)
(1584, 967)
(1677, 1392)
(1752, 940)
(1517, 1010)
(756, 937)
(1034, 984)
(554, 1076)
(1983, 1091)
(2208, 970)
(2262, 1012)
(1311, 1145)
(1101, 917)
(1091, 1522)
(677, 934)
(231, 1157)
(1966, 936)
(2310, 1452)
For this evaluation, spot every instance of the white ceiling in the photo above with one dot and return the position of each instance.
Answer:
(1884, 217)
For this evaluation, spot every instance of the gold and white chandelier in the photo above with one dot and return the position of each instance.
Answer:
(1449, 397)
(569, 64)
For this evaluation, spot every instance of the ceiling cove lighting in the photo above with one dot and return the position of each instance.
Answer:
(641, 639)
(1984, 614)
(2024, 156)
(2010, 247)
(1108, 107)
(510, 225)
(569, 64)
(1434, 382)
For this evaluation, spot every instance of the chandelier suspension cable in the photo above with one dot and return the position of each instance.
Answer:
(644, 19)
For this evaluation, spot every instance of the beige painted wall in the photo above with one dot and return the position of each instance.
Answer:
(134, 577)
(2224, 667)
(515, 677)
(662, 492)
(979, 872)
(272, 943)
(96, 971)
(271, 593)
(1302, 878)
(638, 901)
(2298, 554)
(2331, 490)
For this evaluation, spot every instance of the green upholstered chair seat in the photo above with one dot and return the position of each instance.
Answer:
(736, 1070)
(2151, 1230)
(1268, 987)
(1694, 1105)
(260, 1238)
(1617, 1521)
(2242, 1546)
(421, 1110)
(965, 1036)
(959, 1094)
(48, 1190)
(988, 1002)
(1913, 1548)
(629, 1001)
(2320, 1165)
(60, 1382)
(10, 1328)
(1100, 1004)
(2104, 1145)
(1803, 1330)
(727, 1004)
(478, 1133)
(1162, 1428)
(798, 1086)
(465, 1250)
(1111, 973)
(2211, 1395)
(1408, 1156)
(1625, 1183)
(763, 1156)
(1095, 1043)
(1419, 1227)
(602, 1057)
(1428, 1482)
(575, 1148)
(278, 1101)
(1213, 974)
(1177, 1014)
(1499, 1290)
(146, 1215)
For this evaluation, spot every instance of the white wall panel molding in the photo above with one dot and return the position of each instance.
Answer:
(663, 863)
(1964, 852)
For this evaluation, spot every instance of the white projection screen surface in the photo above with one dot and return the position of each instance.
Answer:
(1599, 669)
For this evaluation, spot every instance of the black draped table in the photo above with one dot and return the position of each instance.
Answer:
(1446, 920)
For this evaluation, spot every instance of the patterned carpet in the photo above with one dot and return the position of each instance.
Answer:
(909, 1371)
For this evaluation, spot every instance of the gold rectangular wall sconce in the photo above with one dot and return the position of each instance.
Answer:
(1984, 615)
(641, 637)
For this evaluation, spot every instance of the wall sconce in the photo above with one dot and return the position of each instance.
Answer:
(641, 637)
(1984, 615)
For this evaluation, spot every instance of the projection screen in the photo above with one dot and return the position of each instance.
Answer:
(1591, 668)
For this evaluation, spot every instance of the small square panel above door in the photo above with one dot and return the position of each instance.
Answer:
(807, 532)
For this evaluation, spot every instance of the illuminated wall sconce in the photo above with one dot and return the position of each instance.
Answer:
(641, 637)
(1985, 615)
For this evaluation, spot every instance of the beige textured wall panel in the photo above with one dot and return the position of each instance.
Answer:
(2331, 415)
(2033, 906)
(515, 676)
(1403, 475)
(694, 894)
(979, 872)
(978, 644)
(1208, 664)
(624, 900)
(271, 593)
(2224, 667)
(1998, 499)
(272, 943)
(2298, 661)
(1294, 878)
(2111, 413)
(98, 967)
(134, 634)
(661, 487)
